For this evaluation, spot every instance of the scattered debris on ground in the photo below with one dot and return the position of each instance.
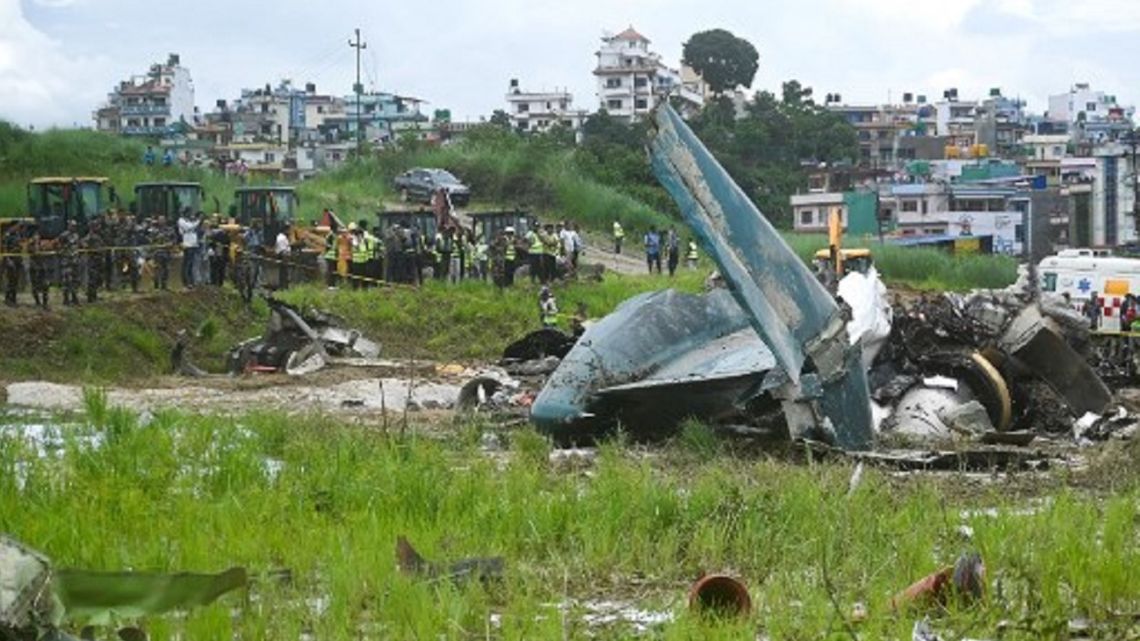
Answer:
(36, 598)
(299, 342)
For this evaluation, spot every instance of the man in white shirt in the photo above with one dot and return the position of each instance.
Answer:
(282, 249)
(188, 231)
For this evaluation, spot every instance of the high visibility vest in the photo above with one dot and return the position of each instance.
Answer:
(481, 251)
(437, 246)
(618, 231)
(371, 244)
(692, 254)
(510, 254)
(551, 245)
(549, 315)
(536, 245)
(360, 253)
(330, 247)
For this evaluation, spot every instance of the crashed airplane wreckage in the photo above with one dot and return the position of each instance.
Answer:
(777, 340)
(779, 332)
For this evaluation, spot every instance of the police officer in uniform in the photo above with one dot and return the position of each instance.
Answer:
(69, 263)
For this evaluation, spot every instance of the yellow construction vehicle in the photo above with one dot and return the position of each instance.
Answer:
(837, 259)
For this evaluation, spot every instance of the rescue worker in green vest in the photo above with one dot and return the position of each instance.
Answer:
(444, 247)
(330, 257)
(369, 244)
(547, 307)
(510, 257)
(535, 250)
(376, 264)
(619, 235)
(359, 256)
(691, 255)
(550, 248)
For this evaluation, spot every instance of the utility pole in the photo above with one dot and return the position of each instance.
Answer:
(358, 89)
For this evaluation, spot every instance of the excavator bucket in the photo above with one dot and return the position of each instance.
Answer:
(796, 318)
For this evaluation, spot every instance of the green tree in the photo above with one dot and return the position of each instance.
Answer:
(723, 60)
(499, 118)
(766, 147)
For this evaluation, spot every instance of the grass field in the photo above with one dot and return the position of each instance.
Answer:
(632, 527)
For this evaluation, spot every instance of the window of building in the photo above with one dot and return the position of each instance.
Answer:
(320, 109)
(264, 108)
(613, 104)
(523, 107)
(908, 206)
(640, 103)
(1058, 151)
(522, 125)
(548, 105)
(925, 206)
(1090, 106)
(132, 122)
(639, 81)
(612, 83)
(807, 217)
(160, 122)
(270, 156)
(562, 105)
(1019, 233)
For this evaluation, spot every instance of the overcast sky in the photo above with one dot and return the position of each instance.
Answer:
(59, 58)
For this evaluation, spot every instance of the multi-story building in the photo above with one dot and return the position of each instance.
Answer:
(281, 115)
(150, 104)
(1083, 104)
(957, 121)
(542, 110)
(1113, 197)
(1044, 155)
(1001, 123)
(890, 135)
(631, 78)
(381, 115)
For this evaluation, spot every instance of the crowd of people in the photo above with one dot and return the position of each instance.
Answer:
(116, 250)
(402, 253)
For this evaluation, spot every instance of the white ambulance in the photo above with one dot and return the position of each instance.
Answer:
(1082, 272)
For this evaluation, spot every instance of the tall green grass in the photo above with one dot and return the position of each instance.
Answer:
(921, 267)
(183, 492)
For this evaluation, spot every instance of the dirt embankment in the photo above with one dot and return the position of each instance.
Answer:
(123, 337)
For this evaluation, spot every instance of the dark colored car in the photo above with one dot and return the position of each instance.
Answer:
(417, 185)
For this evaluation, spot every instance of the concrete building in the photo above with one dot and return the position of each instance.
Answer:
(957, 120)
(151, 104)
(382, 114)
(539, 111)
(811, 212)
(1113, 197)
(1045, 156)
(631, 78)
(1001, 124)
(1083, 104)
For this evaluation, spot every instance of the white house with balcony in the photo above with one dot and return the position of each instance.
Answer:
(631, 78)
(150, 104)
(539, 111)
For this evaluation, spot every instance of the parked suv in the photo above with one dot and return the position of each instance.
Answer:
(419, 184)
